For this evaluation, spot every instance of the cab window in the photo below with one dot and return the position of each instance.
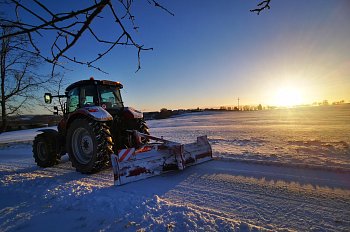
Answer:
(110, 97)
(88, 96)
(73, 100)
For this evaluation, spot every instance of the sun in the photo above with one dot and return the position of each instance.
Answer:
(288, 96)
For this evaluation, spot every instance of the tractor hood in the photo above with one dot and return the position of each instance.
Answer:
(131, 113)
(95, 112)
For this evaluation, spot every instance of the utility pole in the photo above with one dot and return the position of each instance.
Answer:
(238, 103)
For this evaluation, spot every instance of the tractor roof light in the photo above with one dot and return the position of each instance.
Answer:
(112, 83)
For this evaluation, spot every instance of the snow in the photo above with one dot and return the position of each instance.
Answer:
(20, 136)
(234, 192)
(310, 136)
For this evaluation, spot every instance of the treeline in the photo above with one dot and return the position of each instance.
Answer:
(240, 108)
(31, 121)
(165, 113)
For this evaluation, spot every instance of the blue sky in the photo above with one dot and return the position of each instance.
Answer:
(212, 52)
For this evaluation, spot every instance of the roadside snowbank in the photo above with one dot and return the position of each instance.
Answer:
(20, 136)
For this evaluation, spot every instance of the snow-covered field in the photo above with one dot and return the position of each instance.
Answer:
(274, 170)
(312, 136)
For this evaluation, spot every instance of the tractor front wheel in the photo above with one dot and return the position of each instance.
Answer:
(89, 145)
(45, 150)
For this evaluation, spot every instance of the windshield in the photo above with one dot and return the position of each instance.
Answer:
(110, 97)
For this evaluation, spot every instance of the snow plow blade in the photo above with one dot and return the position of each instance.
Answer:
(156, 158)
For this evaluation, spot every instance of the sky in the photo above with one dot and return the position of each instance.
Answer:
(212, 52)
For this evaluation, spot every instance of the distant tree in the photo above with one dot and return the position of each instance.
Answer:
(164, 113)
(246, 108)
(260, 107)
(19, 80)
(63, 29)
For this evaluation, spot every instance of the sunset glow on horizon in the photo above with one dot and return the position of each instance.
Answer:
(284, 57)
(288, 96)
(213, 52)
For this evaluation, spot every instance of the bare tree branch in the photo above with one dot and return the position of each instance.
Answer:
(81, 31)
(69, 27)
(56, 84)
(262, 6)
(47, 23)
(156, 4)
(15, 109)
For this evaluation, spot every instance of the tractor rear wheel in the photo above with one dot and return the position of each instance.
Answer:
(45, 150)
(89, 145)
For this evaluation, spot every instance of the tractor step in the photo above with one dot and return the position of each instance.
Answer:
(155, 158)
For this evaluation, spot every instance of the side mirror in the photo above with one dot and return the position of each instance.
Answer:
(48, 98)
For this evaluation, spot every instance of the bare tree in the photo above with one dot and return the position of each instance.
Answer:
(34, 19)
(56, 86)
(19, 79)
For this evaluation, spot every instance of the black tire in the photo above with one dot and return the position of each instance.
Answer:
(45, 150)
(89, 145)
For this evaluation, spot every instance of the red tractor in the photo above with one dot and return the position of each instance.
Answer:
(95, 124)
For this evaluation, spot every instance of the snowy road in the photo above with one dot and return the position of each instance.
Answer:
(217, 195)
(268, 197)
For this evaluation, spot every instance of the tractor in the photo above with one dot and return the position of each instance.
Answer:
(94, 126)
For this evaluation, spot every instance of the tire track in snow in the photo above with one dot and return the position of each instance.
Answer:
(270, 204)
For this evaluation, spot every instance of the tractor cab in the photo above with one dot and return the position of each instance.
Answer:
(85, 93)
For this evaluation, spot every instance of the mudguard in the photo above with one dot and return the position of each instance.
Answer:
(96, 113)
(131, 113)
